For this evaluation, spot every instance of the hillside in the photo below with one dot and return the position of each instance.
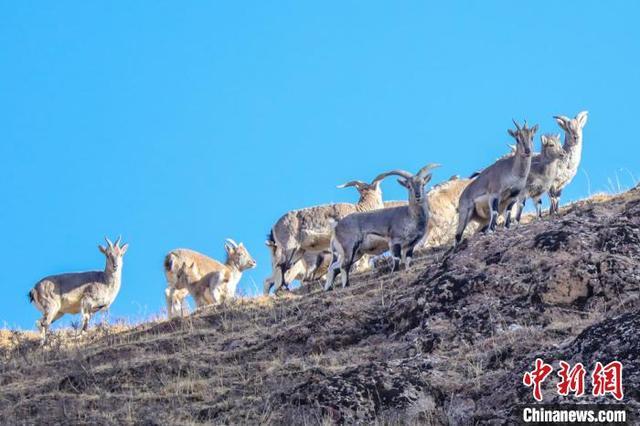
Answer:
(446, 342)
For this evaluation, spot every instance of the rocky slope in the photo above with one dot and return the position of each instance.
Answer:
(446, 342)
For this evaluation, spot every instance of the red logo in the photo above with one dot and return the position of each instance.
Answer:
(536, 377)
(571, 380)
(608, 379)
(605, 379)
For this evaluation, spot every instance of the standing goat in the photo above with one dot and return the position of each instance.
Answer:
(398, 229)
(544, 170)
(497, 187)
(309, 229)
(79, 292)
(568, 167)
(206, 279)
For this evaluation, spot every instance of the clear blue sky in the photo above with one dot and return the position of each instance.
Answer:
(177, 124)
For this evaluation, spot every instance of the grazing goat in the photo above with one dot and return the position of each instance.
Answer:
(79, 292)
(567, 167)
(311, 267)
(397, 229)
(309, 230)
(497, 187)
(544, 169)
(206, 279)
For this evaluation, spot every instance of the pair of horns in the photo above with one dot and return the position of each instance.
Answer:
(231, 243)
(405, 174)
(356, 183)
(111, 245)
(518, 126)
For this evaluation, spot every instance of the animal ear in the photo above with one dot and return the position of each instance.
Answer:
(582, 118)
(512, 133)
(403, 182)
(124, 248)
(102, 249)
(427, 178)
(534, 128)
(561, 120)
(228, 247)
(544, 139)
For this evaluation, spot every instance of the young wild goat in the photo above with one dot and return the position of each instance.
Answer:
(309, 230)
(79, 292)
(311, 267)
(568, 167)
(544, 170)
(399, 229)
(206, 279)
(497, 187)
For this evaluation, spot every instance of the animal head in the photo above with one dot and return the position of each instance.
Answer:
(573, 126)
(414, 183)
(524, 138)
(551, 146)
(239, 255)
(187, 274)
(114, 253)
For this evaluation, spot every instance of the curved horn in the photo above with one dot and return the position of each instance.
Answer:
(398, 172)
(423, 171)
(109, 243)
(233, 243)
(562, 117)
(117, 243)
(516, 123)
(356, 183)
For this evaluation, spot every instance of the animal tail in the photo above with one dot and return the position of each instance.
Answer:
(168, 262)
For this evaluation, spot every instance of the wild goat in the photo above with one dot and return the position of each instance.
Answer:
(79, 292)
(443, 201)
(497, 187)
(544, 170)
(312, 267)
(309, 230)
(567, 167)
(398, 228)
(206, 279)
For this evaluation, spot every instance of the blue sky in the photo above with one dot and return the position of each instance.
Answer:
(178, 124)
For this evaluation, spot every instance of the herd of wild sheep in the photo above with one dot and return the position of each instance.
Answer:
(336, 239)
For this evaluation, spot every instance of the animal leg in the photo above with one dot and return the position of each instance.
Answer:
(408, 256)
(507, 223)
(538, 204)
(85, 312)
(520, 209)
(557, 202)
(344, 272)
(331, 273)
(43, 324)
(168, 296)
(268, 285)
(290, 257)
(396, 251)
(464, 216)
(493, 209)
